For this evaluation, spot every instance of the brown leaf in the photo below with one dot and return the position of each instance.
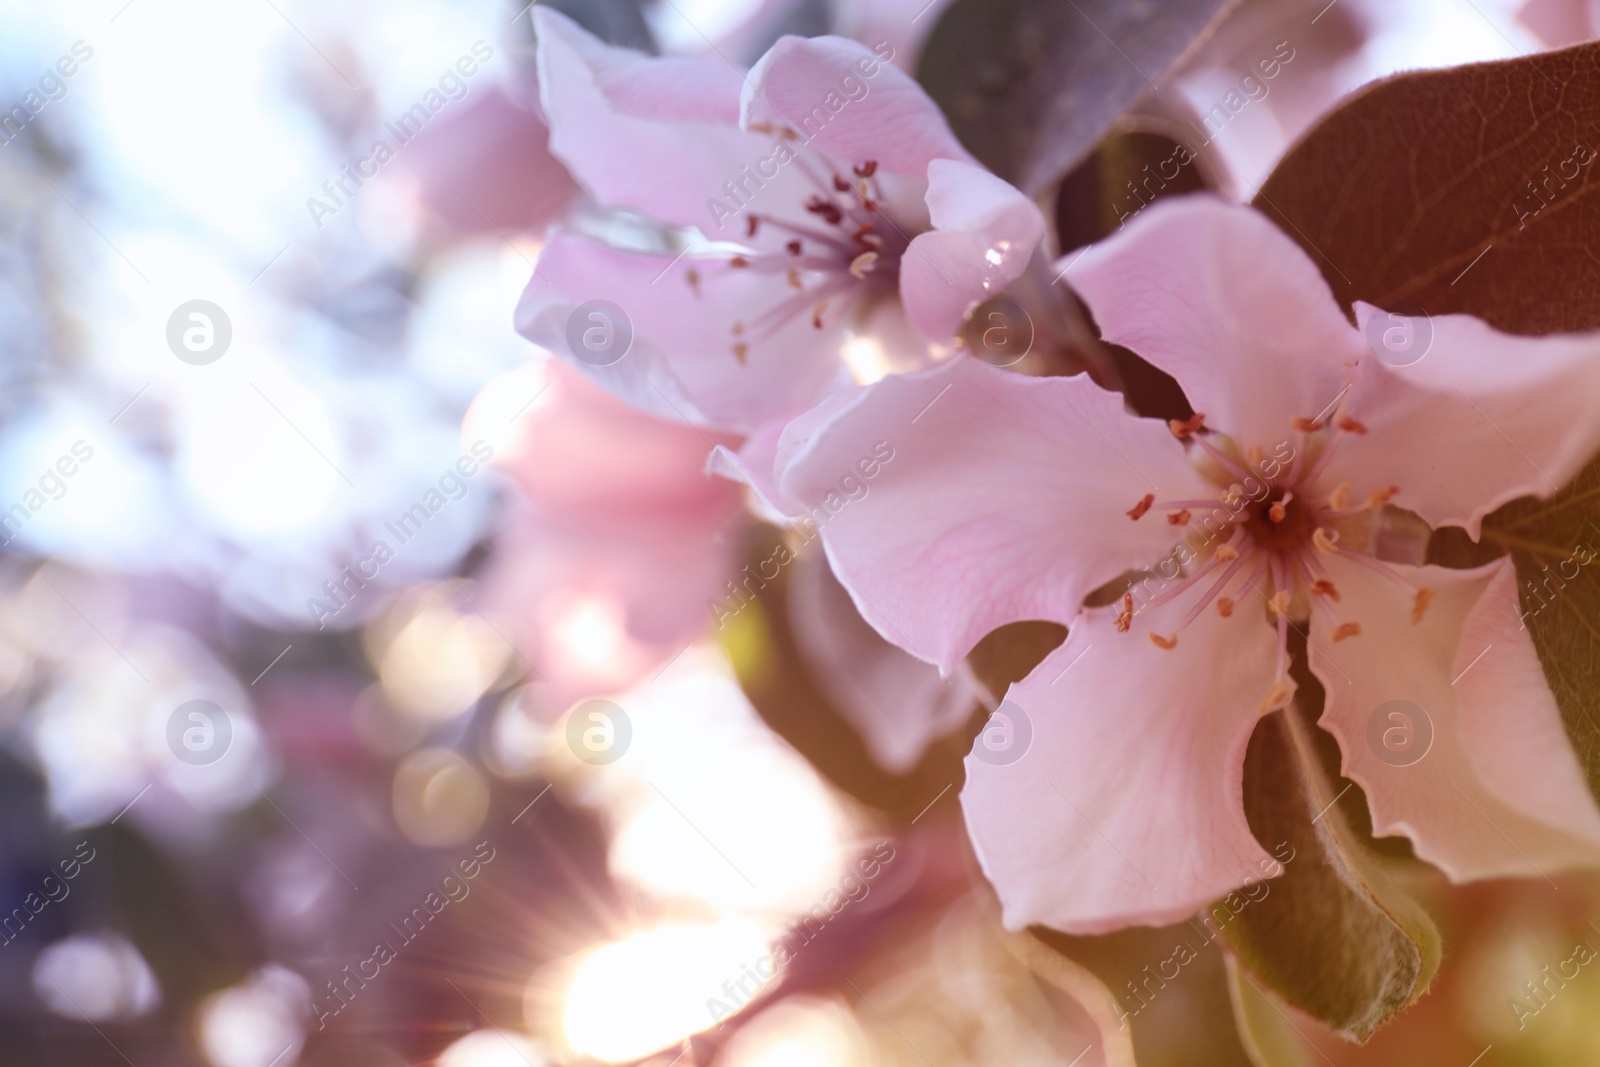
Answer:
(1471, 189)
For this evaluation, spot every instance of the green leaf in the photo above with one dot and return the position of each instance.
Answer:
(1030, 86)
(1458, 190)
(1336, 935)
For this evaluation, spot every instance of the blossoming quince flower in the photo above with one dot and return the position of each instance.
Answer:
(817, 199)
(1017, 498)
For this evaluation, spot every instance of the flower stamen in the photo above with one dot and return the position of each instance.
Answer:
(1277, 696)
(1419, 606)
(862, 264)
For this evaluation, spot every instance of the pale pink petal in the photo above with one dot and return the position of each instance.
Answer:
(1560, 22)
(845, 101)
(984, 233)
(1499, 793)
(1481, 419)
(1219, 298)
(616, 545)
(683, 362)
(488, 168)
(959, 499)
(899, 705)
(657, 134)
(615, 463)
(754, 464)
(1127, 805)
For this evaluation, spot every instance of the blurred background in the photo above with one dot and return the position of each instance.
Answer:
(359, 698)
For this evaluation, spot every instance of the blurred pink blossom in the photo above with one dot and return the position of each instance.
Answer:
(619, 543)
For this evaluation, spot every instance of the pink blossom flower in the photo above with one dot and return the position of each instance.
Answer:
(615, 551)
(1017, 498)
(817, 199)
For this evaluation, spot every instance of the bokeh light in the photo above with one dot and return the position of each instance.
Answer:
(649, 991)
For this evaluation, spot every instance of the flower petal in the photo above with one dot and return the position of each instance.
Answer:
(846, 102)
(683, 363)
(1127, 806)
(899, 705)
(1521, 415)
(984, 233)
(1219, 298)
(488, 168)
(960, 499)
(616, 463)
(753, 463)
(1499, 792)
(610, 108)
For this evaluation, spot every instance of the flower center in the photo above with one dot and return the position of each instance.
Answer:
(1265, 538)
(837, 247)
(1280, 523)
